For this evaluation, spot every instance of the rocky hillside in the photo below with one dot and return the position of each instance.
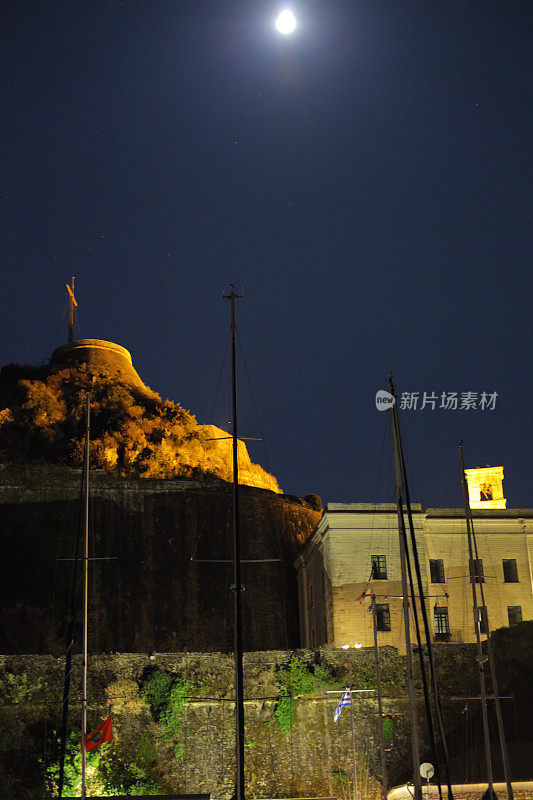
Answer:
(133, 431)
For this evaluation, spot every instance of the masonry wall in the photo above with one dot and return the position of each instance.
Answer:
(309, 757)
(162, 575)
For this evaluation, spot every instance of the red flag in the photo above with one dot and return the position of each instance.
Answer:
(103, 733)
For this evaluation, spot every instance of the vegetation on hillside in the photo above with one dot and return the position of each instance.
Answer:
(42, 418)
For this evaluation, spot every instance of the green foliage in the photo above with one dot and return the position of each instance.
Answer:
(73, 766)
(17, 689)
(389, 729)
(339, 776)
(109, 770)
(166, 695)
(131, 433)
(298, 678)
(157, 691)
(364, 677)
(285, 712)
(131, 770)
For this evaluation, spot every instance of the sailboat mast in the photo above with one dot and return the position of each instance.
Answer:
(402, 475)
(85, 605)
(415, 744)
(238, 587)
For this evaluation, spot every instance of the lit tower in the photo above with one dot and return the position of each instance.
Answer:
(485, 489)
(71, 304)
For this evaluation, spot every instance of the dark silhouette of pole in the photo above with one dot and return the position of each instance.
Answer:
(423, 611)
(85, 608)
(237, 587)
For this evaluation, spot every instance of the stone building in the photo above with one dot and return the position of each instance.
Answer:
(354, 551)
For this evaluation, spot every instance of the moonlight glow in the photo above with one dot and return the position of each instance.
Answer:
(286, 21)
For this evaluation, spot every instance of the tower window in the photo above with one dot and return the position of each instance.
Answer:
(379, 568)
(515, 614)
(510, 572)
(383, 617)
(476, 570)
(436, 568)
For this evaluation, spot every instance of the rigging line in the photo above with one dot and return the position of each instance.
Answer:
(241, 350)
(436, 696)
(219, 378)
(198, 536)
(59, 546)
(229, 561)
(423, 674)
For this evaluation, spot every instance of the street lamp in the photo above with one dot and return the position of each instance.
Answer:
(285, 22)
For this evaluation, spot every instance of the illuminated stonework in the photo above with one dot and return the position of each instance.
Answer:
(209, 451)
(485, 489)
(111, 358)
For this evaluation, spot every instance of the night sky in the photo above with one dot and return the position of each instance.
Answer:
(367, 179)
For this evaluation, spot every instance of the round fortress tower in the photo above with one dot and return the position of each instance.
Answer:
(108, 357)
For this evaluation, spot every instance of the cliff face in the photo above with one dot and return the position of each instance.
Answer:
(162, 579)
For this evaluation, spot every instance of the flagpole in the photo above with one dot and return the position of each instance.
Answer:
(85, 608)
(353, 746)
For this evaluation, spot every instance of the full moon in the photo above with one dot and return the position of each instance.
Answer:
(286, 21)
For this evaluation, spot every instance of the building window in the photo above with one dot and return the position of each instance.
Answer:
(442, 623)
(515, 614)
(311, 599)
(510, 573)
(476, 569)
(379, 568)
(383, 616)
(436, 567)
(483, 620)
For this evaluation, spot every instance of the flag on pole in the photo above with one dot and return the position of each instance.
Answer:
(103, 733)
(343, 703)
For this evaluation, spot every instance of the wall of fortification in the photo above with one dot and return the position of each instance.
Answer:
(162, 581)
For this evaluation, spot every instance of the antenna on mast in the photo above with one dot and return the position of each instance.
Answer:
(71, 303)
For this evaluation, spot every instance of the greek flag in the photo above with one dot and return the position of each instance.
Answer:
(343, 703)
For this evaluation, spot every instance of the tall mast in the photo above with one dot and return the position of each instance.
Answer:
(415, 745)
(85, 603)
(416, 561)
(71, 303)
(237, 587)
(481, 658)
